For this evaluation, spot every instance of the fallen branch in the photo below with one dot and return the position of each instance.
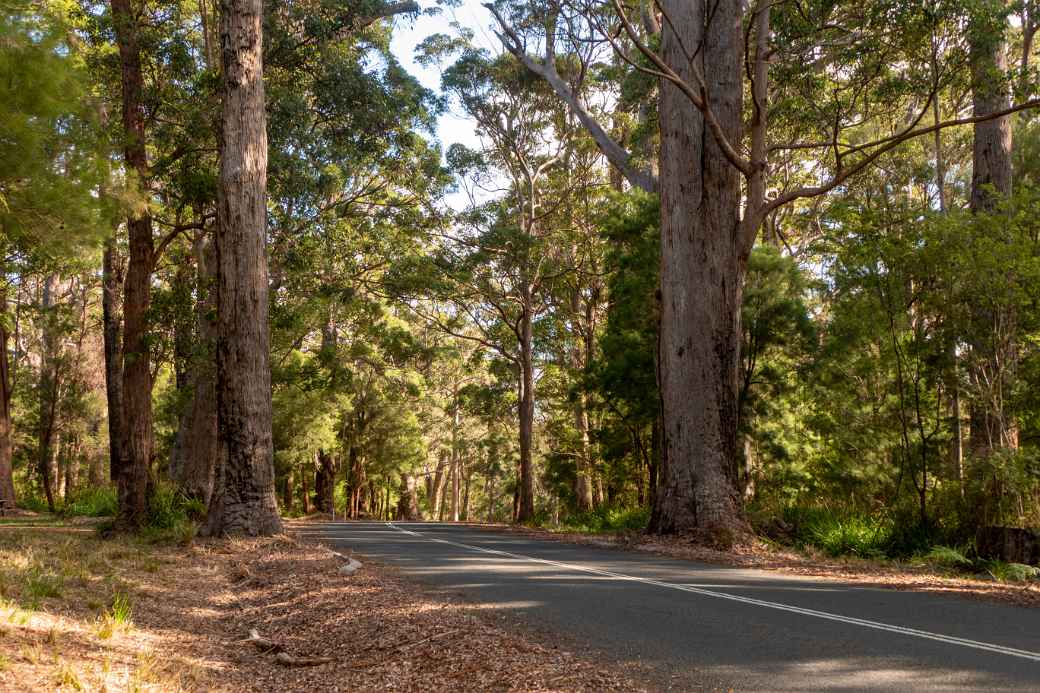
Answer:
(281, 656)
(286, 659)
(263, 644)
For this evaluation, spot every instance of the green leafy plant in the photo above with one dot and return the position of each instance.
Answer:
(948, 557)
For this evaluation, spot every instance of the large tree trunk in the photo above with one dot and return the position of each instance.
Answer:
(197, 442)
(991, 426)
(137, 377)
(243, 499)
(702, 267)
(525, 505)
(111, 317)
(6, 468)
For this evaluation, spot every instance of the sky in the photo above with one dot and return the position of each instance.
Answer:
(452, 127)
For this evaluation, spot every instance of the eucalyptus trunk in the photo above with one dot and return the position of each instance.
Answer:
(243, 499)
(702, 271)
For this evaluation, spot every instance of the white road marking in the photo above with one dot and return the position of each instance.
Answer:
(864, 623)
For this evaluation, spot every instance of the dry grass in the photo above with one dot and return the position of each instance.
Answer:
(81, 613)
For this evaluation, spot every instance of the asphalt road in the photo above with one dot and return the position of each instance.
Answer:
(687, 625)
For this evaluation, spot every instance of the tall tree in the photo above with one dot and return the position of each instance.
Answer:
(243, 499)
(137, 376)
(710, 55)
(992, 424)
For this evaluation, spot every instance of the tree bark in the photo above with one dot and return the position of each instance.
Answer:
(702, 268)
(525, 505)
(137, 377)
(197, 442)
(244, 499)
(112, 316)
(6, 432)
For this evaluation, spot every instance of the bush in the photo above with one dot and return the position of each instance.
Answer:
(606, 519)
(947, 557)
(100, 501)
(171, 515)
(858, 536)
(33, 503)
(1011, 572)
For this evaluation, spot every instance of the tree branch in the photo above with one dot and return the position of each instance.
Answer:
(546, 69)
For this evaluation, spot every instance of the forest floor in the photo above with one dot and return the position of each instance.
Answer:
(764, 555)
(78, 612)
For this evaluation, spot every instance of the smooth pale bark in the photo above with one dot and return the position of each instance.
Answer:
(137, 377)
(991, 426)
(702, 268)
(243, 499)
(112, 331)
(6, 431)
(197, 444)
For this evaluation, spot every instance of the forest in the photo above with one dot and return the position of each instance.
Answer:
(706, 269)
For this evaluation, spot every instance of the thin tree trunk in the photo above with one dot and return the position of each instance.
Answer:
(112, 316)
(48, 390)
(702, 268)
(437, 487)
(6, 431)
(525, 509)
(243, 499)
(198, 442)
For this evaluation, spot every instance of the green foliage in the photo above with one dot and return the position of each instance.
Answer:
(607, 519)
(948, 557)
(852, 535)
(41, 583)
(120, 610)
(1002, 571)
(99, 501)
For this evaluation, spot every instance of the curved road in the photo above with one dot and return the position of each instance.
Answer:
(689, 625)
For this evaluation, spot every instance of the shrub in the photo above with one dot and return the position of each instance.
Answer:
(1011, 572)
(853, 535)
(947, 557)
(606, 519)
(100, 501)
